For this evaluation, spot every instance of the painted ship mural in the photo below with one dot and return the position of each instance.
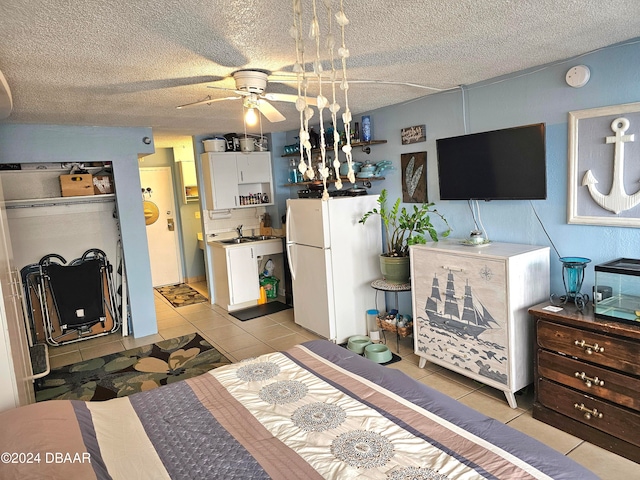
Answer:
(453, 332)
(464, 315)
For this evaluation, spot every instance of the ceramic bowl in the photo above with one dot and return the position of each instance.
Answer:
(378, 353)
(357, 343)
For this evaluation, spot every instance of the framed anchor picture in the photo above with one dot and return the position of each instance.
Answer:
(604, 166)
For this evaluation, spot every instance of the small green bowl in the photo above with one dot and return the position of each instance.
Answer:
(357, 343)
(378, 353)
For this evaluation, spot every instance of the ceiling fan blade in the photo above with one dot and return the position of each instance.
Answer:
(208, 100)
(270, 112)
(285, 97)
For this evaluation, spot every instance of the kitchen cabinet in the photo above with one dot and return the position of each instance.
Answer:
(189, 181)
(470, 309)
(254, 167)
(587, 377)
(237, 180)
(235, 271)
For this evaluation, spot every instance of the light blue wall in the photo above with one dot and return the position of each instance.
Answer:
(121, 146)
(533, 96)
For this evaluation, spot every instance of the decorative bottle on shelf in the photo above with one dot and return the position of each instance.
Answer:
(294, 173)
(366, 128)
(356, 132)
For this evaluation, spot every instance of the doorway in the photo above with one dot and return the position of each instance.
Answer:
(160, 217)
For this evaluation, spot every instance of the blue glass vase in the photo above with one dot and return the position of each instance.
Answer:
(572, 277)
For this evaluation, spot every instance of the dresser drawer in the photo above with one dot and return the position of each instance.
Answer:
(591, 379)
(617, 421)
(618, 353)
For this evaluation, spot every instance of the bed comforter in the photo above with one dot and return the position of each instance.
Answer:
(313, 411)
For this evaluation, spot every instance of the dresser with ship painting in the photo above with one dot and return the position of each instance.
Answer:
(470, 309)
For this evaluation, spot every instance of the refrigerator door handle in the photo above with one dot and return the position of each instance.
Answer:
(293, 272)
(287, 233)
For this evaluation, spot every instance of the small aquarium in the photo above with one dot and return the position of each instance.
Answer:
(616, 294)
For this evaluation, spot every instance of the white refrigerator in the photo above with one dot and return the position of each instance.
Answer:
(333, 260)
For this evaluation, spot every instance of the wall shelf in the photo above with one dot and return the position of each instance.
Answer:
(344, 180)
(56, 201)
(365, 148)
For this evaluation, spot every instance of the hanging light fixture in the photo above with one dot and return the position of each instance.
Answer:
(303, 82)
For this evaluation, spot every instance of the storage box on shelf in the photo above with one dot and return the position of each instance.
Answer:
(76, 185)
(470, 309)
(587, 377)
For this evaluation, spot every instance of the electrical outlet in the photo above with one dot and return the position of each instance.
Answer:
(198, 214)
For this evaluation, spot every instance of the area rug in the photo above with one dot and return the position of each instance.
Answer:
(259, 310)
(131, 371)
(181, 295)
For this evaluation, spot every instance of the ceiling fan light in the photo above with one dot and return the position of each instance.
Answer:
(251, 118)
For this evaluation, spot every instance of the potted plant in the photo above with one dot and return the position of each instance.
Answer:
(403, 227)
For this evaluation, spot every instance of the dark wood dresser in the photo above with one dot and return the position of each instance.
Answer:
(587, 377)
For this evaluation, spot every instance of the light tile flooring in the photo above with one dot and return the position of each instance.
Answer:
(239, 340)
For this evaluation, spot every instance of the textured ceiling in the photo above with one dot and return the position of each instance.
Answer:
(130, 63)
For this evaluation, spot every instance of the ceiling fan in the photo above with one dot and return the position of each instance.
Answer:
(250, 88)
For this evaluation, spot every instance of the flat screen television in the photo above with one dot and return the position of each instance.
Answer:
(507, 164)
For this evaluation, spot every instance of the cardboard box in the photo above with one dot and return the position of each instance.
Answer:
(102, 184)
(77, 184)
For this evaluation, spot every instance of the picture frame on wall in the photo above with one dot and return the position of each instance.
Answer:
(604, 166)
(414, 177)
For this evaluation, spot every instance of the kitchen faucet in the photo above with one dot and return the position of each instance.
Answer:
(239, 230)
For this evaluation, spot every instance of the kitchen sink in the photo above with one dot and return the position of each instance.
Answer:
(233, 241)
(261, 237)
(252, 238)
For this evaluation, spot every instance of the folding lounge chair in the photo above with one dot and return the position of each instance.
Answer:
(71, 302)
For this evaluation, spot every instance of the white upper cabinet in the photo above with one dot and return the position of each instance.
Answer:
(254, 167)
(237, 180)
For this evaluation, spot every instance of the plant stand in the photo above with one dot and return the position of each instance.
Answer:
(384, 286)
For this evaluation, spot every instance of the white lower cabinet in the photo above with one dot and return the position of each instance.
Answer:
(243, 275)
(470, 309)
(235, 272)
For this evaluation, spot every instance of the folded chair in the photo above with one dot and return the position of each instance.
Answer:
(71, 302)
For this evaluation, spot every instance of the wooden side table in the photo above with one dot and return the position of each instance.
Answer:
(384, 286)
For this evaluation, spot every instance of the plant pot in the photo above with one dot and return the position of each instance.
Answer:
(395, 269)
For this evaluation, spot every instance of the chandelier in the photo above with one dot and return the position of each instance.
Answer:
(307, 80)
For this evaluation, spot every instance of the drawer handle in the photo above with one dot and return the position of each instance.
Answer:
(589, 349)
(588, 414)
(589, 381)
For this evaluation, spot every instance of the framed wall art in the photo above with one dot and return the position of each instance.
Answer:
(414, 177)
(415, 134)
(604, 166)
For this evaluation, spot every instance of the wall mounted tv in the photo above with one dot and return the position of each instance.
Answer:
(507, 164)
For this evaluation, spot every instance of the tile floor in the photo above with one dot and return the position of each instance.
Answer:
(239, 340)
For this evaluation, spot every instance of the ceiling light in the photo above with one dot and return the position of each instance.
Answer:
(251, 118)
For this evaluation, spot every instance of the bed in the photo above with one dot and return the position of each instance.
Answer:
(316, 410)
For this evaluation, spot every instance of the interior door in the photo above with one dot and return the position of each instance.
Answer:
(162, 225)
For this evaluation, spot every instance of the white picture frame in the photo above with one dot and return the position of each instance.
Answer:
(592, 198)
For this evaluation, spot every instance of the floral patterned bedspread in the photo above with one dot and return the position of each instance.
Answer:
(314, 411)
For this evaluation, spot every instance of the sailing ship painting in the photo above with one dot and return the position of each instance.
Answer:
(470, 317)
(459, 330)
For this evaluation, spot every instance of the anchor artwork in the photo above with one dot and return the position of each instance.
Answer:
(617, 199)
(604, 166)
